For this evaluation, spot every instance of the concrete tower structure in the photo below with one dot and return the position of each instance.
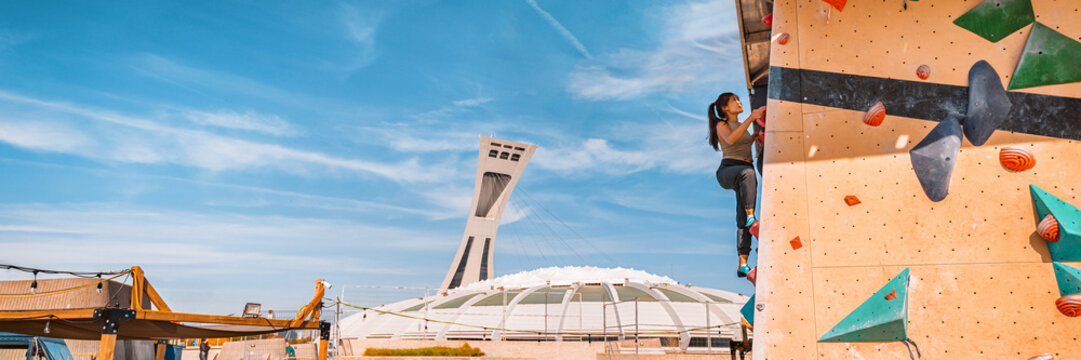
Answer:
(499, 165)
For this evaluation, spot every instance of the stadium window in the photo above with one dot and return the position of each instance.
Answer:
(493, 153)
(504, 155)
(515, 157)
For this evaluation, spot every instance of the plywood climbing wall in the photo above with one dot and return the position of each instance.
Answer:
(982, 282)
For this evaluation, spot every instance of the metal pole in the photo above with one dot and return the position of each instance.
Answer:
(709, 332)
(604, 322)
(636, 327)
(546, 312)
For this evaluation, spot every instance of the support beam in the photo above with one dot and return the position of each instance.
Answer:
(137, 284)
(106, 347)
(159, 350)
(324, 338)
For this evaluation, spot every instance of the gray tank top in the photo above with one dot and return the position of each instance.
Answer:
(741, 149)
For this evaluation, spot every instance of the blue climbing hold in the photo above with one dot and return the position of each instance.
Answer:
(883, 317)
(1068, 246)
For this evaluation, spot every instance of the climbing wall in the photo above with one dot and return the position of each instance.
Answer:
(981, 283)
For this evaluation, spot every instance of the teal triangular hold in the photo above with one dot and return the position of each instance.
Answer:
(748, 310)
(1068, 246)
(1049, 58)
(994, 20)
(1069, 279)
(877, 319)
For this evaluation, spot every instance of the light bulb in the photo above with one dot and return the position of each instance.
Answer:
(47, 326)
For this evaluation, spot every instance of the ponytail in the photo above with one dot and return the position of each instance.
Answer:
(714, 119)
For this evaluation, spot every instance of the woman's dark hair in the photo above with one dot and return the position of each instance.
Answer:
(714, 120)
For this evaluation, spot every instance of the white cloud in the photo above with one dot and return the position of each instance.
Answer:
(134, 139)
(49, 136)
(361, 26)
(679, 147)
(560, 28)
(248, 120)
(473, 102)
(700, 48)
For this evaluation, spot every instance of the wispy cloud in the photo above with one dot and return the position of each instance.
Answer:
(699, 49)
(248, 120)
(473, 102)
(136, 139)
(361, 26)
(562, 30)
(678, 147)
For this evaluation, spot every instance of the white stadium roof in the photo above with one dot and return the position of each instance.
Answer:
(557, 303)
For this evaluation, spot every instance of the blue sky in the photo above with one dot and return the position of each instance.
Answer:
(239, 150)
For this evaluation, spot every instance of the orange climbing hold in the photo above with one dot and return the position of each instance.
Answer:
(783, 38)
(837, 4)
(753, 275)
(875, 114)
(1069, 305)
(1048, 228)
(923, 72)
(796, 243)
(892, 295)
(851, 200)
(1016, 158)
(768, 19)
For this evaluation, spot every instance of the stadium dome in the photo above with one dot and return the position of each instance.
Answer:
(559, 304)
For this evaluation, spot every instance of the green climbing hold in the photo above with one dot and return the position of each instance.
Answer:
(1069, 279)
(994, 20)
(883, 317)
(748, 310)
(1068, 246)
(1049, 58)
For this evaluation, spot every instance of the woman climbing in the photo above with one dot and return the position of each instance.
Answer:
(736, 171)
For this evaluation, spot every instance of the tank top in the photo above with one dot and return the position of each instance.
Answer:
(741, 149)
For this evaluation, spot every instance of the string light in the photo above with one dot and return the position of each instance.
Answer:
(47, 325)
(34, 285)
(99, 283)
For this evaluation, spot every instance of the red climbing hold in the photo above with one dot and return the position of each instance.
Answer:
(875, 114)
(837, 4)
(753, 275)
(754, 228)
(796, 243)
(1016, 158)
(768, 19)
(851, 200)
(923, 72)
(783, 38)
(1069, 305)
(1048, 228)
(892, 295)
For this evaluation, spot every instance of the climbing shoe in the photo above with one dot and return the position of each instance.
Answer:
(750, 221)
(743, 270)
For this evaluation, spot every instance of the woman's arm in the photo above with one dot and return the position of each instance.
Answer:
(732, 136)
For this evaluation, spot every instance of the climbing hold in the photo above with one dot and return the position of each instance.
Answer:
(995, 19)
(837, 4)
(892, 295)
(748, 310)
(1069, 279)
(988, 104)
(1016, 158)
(1043, 357)
(754, 229)
(796, 243)
(768, 20)
(923, 72)
(851, 200)
(1049, 58)
(783, 38)
(875, 114)
(934, 157)
(878, 318)
(753, 275)
(1068, 246)
(1069, 305)
(1048, 228)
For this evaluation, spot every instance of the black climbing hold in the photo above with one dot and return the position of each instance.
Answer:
(935, 156)
(988, 104)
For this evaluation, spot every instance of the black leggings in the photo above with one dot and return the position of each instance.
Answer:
(739, 176)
